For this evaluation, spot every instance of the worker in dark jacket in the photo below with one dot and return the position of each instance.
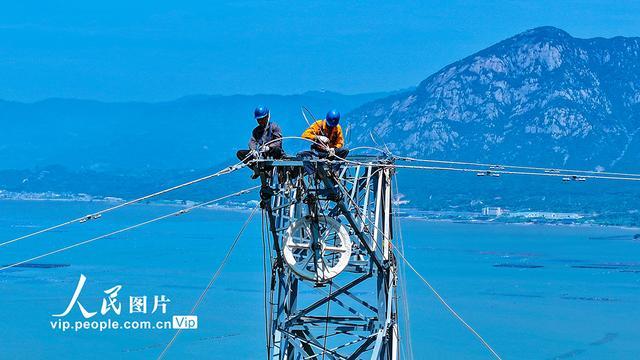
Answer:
(266, 139)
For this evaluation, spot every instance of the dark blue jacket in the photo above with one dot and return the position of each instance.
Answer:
(264, 134)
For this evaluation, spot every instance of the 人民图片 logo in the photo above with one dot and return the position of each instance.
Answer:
(111, 304)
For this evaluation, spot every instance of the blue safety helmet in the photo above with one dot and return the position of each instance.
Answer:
(260, 112)
(333, 118)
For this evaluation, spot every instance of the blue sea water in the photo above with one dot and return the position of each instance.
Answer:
(533, 291)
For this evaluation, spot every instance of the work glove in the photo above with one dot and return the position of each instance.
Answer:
(322, 139)
(332, 152)
(264, 148)
(254, 154)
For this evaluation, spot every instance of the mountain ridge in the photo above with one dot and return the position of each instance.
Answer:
(540, 97)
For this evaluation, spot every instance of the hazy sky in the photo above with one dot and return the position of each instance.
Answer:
(159, 50)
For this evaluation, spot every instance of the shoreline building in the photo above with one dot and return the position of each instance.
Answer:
(492, 211)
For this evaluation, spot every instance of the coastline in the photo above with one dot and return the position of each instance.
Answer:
(413, 214)
(85, 198)
(520, 223)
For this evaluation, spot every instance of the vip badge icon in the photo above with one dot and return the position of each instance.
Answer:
(185, 322)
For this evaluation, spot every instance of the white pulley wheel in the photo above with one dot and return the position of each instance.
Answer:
(324, 261)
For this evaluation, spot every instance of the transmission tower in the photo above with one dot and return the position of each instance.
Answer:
(333, 272)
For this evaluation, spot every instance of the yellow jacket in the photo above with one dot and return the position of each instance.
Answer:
(336, 140)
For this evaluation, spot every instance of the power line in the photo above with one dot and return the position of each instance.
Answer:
(212, 280)
(499, 168)
(424, 280)
(550, 170)
(497, 171)
(403, 280)
(266, 248)
(176, 213)
(98, 214)
(446, 305)
(508, 172)
(436, 293)
(405, 158)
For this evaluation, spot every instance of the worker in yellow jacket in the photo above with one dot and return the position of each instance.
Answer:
(327, 137)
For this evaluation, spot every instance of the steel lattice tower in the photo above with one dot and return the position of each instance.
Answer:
(334, 276)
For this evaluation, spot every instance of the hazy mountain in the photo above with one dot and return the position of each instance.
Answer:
(540, 97)
(191, 132)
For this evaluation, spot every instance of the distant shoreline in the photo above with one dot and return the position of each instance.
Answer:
(84, 198)
(243, 207)
(521, 223)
